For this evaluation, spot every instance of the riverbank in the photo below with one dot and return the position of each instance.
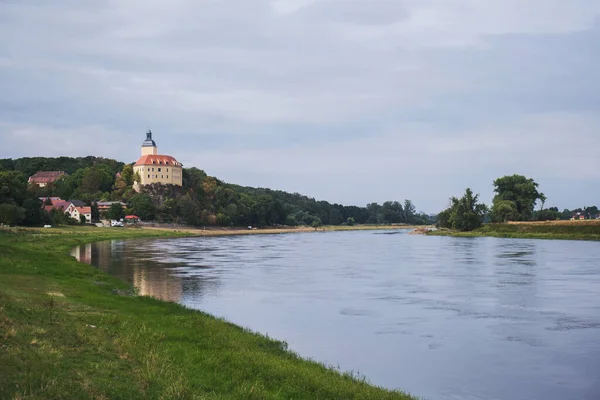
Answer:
(68, 330)
(220, 231)
(559, 230)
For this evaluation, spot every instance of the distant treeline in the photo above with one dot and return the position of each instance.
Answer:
(203, 200)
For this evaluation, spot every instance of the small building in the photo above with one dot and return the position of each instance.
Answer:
(132, 219)
(156, 168)
(43, 178)
(57, 203)
(77, 212)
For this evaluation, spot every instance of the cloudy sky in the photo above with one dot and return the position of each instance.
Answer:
(349, 101)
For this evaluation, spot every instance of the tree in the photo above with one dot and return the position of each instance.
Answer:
(542, 200)
(142, 206)
(464, 214)
(409, 211)
(350, 221)
(95, 212)
(33, 212)
(115, 212)
(519, 190)
(504, 211)
(127, 174)
(82, 219)
(13, 187)
(11, 214)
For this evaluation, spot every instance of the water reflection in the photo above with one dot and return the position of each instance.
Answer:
(143, 265)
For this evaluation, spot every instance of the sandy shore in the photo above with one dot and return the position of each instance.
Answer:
(215, 231)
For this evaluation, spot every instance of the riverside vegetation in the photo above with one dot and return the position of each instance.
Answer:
(564, 230)
(67, 330)
(514, 201)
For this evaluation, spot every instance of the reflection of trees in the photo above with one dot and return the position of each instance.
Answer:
(134, 261)
(515, 271)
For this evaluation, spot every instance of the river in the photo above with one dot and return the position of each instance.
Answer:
(439, 317)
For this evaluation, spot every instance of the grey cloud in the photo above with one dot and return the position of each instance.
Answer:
(444, 92)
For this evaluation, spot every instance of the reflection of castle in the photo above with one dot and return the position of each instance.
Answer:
(83, 253)
(157, 282)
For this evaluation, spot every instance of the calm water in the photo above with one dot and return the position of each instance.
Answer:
(442, 318)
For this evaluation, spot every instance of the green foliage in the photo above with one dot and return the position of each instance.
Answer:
(95, 212)
(464, 214)
(127, 174)
(519, 190)
(115, 212)
(142, 206)
(350, 221)
(13, 187)
(11, 214)
(33, 212)
(504, 211)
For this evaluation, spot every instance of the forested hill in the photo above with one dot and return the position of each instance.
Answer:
(203, 200)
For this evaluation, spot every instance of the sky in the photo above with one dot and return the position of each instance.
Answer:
(349, 101)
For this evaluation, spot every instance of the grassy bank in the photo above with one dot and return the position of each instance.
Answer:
(68, 331)
(564, 230)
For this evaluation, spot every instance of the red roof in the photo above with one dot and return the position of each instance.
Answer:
(132, 217)
(84, 210)
(158, 159)
(59, 205)
(46, 176)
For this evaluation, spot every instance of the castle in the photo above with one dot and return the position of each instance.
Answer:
(156, 168)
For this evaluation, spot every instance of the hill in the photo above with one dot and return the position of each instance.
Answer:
(202, 200)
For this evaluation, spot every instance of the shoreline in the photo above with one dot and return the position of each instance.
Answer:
(546, 230)
(68, 330)
(214, 231)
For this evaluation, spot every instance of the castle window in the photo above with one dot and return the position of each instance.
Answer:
(162, 176)
(159, 170)
(148, 176)
(152, 169)
(167, 176)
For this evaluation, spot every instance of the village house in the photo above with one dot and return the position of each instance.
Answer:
(75, 208)
(85, 211)
(43, 178)
(156, 168)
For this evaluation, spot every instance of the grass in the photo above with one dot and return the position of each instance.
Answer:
(563, 230)
(68, 332)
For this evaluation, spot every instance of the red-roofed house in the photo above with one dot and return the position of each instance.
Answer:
(156, 168)
(77, 212)
(43, 178)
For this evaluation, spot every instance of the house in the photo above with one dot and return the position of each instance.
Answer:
(156, 168)
(58, 204)
(43, 178)
(77, 212)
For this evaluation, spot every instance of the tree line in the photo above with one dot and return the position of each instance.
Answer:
(515, 199)
(202, 200)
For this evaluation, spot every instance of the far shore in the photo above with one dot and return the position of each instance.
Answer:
(221, 231)
(558, 230)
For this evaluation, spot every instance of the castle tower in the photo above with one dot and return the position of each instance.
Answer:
(153, 168)
(149, 147)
